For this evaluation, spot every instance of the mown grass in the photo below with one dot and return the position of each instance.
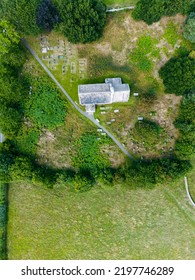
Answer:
(114, 223)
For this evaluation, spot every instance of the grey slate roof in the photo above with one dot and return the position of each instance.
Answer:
(101, 93)
(95, 98)
(94, 88)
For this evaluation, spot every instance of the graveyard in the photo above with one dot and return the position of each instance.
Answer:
(62, 59)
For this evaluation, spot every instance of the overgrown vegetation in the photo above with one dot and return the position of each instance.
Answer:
(147, 131)
(171, 34)
(44, 107)
(144, 52)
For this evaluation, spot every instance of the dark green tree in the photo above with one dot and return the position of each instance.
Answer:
(22, 14)
(178, 75)
(83, 21)
(47, 15)
(152, 10)
(189, 28)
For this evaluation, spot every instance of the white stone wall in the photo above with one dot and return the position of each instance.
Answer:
(122, 96)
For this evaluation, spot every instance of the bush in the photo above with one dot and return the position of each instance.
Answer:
(26, 141)
(147, 131)
(171, 34)
(185, 122)
(45, 108)
(178, 75)
(89, 158)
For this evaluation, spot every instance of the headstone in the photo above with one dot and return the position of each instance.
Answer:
(140, 118)
(136, 94)
(116, 111)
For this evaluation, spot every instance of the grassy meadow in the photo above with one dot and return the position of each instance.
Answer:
(114, 223)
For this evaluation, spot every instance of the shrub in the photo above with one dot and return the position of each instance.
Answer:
(178, 75)
(45, 107)
(147, 131)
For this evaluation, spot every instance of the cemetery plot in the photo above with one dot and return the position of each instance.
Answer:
(62, 57)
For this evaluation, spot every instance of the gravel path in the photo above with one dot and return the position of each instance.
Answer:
(75, 105)
(119, 9)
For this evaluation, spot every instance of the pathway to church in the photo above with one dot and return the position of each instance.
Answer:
(75, 105)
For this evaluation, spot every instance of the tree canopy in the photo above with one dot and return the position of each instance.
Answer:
(8, 37)
(178, 75)
(83, 20)
(47, 15)
(22, 14)
(189, 28)
(152, 10)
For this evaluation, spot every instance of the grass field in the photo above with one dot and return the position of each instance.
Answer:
(114, 223)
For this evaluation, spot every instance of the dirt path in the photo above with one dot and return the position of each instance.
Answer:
(75, 105)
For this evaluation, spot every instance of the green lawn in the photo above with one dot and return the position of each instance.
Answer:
(115, 223)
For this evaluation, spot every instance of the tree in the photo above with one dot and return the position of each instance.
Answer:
(22, 14)
(152, 10)
(83, 20)
(8, 37)
(189, 28)
(178, 75)
(47, 15)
